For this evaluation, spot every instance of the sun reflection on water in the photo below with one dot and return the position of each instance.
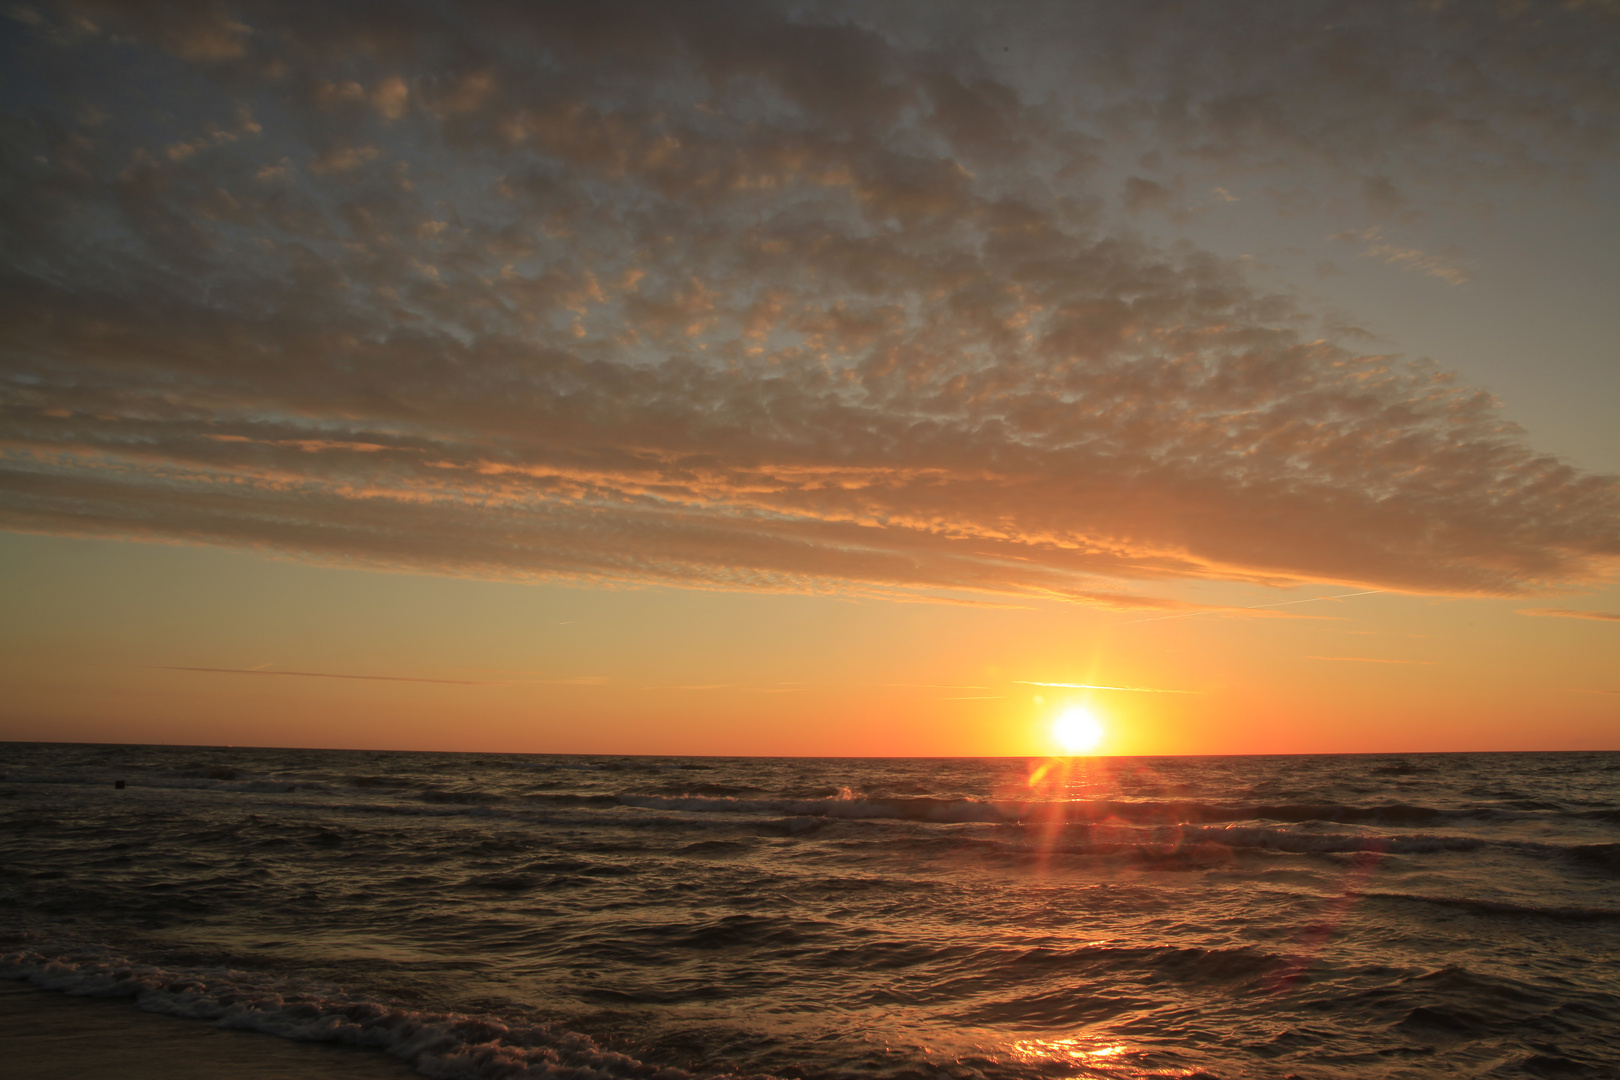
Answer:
(1095, 1057)
(1074, 1050)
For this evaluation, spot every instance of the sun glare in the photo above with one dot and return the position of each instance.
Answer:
(1077, 731)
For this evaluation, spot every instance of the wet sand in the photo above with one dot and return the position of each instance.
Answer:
(50, 1036)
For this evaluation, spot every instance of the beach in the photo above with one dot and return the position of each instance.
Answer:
(52, 1036)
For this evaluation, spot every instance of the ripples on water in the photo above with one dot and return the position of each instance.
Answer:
(489, 916)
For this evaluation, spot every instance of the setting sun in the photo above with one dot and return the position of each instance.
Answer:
(1077, 731)
(791, 538)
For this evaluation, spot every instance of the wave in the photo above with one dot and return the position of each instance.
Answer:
(1609, 816)
(1084, 828)
(1601, 857)
(709, 797)
(1197, 843)
(846, 805)
(1260, 838)
(213, 780)
(464, 796)
(451, 1046)
(1401, 768)
(568, 798)
(854, 805)
(1162, 831)
(1482, 906)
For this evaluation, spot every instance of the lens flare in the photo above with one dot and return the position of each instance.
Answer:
(1077, 731)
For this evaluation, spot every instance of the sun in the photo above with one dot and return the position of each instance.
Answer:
(1077, 731)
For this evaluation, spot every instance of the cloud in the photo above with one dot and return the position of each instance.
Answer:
(1571, 613)
(1262, 610)
(1371, 660)
(341, 159)
(746, 298)
(583, 680)
(1375, 246)
(748, 688)
(1143, 194)
(330, 675)
(1390, 98)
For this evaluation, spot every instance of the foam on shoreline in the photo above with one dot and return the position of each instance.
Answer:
(56, 1036)
(445, 1046)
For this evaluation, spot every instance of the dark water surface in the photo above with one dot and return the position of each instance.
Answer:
(485, 916)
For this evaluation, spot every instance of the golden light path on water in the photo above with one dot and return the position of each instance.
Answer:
(1074, 774)
(1074, 1050)
(1076, 730)
(1091, 1057)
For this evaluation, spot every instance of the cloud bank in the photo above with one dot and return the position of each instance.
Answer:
(758, 297)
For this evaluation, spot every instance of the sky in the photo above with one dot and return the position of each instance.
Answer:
(811, 378)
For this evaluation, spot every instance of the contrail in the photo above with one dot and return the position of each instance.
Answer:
(325, 675)
(1095, 686)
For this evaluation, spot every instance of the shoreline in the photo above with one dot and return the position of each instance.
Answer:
(51, 1035)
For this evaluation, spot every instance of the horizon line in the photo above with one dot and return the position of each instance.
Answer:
(798, 757)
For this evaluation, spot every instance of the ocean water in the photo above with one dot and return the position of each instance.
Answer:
(491, 916)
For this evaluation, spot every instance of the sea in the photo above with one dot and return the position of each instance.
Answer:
(493, 916)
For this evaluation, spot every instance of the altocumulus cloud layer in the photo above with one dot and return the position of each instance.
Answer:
(757, 296)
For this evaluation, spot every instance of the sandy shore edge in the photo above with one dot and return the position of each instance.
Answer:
(49, 1035)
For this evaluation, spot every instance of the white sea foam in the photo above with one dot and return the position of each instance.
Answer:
(445, 1046)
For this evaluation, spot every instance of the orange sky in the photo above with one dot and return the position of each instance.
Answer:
(97, 628)
(818, 381)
